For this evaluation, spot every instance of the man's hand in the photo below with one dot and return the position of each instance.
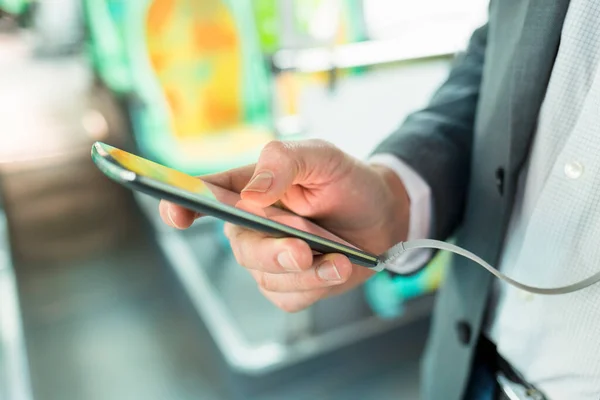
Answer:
(364, 205)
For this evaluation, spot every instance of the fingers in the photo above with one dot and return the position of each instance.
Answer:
(175, 215)
(280, 167)
(286, 270)
(179, 217)
(294, 292)
(256, 251)
(283, 164)
(327, 271)
(235, 179)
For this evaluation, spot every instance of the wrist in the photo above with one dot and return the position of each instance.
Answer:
(396, 206)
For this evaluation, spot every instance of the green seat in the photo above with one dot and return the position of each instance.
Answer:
(16, 7)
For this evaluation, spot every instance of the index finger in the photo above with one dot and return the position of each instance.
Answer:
(182, 218)
(234, 179)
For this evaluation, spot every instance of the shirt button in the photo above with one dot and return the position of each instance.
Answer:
(573, 170)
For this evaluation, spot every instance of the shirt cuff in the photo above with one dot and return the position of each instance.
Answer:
(420, 215)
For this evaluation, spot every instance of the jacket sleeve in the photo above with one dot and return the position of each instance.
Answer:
(436, 141)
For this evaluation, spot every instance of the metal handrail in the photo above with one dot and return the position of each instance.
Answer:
(12, 344)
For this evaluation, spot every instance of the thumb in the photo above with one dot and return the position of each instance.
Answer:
(283, 164)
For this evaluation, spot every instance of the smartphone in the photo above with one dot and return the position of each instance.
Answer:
(140, 174)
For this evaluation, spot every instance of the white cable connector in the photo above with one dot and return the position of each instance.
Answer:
(391, 255)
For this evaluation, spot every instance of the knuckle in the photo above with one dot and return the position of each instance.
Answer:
(317, 142)
(276, 147)
(264, 281)
(296, 281)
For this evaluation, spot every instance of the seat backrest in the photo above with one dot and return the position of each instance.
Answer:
(197, 74)
(206, 58)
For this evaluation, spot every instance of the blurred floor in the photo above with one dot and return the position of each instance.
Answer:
(104, 317)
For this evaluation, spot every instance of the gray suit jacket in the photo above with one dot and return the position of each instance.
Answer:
(469, 144)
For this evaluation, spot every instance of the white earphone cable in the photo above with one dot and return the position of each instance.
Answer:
(389, 257)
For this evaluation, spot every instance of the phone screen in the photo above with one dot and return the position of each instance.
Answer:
(212, 193)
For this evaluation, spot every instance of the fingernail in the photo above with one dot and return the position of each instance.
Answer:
(170, 214)
(260, 183)
(328, 271)
(287, 262)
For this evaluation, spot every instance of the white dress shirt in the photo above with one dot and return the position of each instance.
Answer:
(419, 195)
(554, 232)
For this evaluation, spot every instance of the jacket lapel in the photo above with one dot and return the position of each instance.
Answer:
(532, 66)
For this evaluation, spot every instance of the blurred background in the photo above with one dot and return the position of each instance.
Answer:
(98, 299)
